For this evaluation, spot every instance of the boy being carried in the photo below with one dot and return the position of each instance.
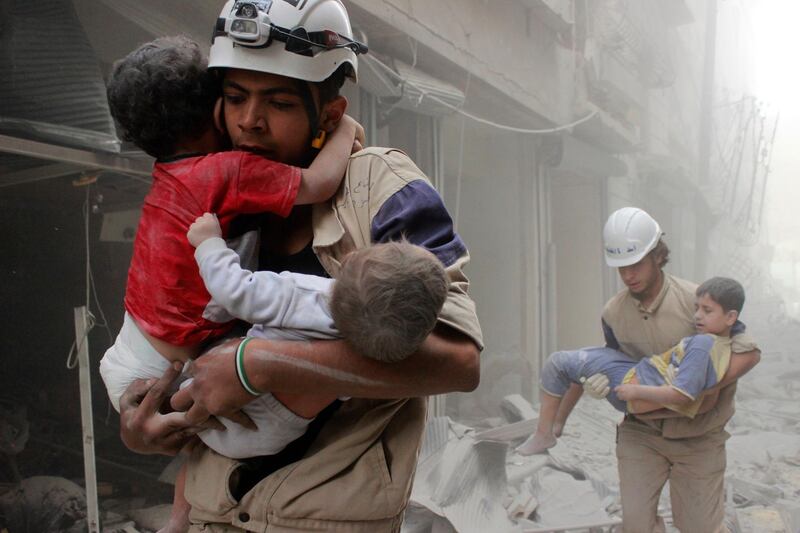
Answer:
(676, 379)
(163, 97)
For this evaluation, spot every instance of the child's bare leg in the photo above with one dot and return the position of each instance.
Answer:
(568, 402)
(544, 437)
(179, 517)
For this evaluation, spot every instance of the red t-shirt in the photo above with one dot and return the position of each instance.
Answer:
(165, 293)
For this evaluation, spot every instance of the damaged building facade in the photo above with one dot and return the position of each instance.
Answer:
(534, 119)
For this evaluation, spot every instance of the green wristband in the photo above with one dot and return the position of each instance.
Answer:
(246, 385)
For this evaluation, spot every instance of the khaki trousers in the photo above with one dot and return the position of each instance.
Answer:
(305, 527)
(695, 468)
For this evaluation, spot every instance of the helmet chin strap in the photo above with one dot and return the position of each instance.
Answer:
(304, 88)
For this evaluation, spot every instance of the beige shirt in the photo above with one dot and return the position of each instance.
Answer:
(358, 473)
(644, 331)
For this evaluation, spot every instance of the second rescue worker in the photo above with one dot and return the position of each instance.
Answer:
(652, 313)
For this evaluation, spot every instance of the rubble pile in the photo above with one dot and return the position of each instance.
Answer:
(763, 474)
(470, 480)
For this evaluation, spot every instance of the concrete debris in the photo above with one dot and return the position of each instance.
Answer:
(523, 503)
(566, 500)
(753, 492)
(591, 527)
(519, 468)
(759, 518)
(121, 527)
(480, 486)
(762, 448)
(510, 432)
(790, 512)
(461, 479)
(44, 503)
(516, 408)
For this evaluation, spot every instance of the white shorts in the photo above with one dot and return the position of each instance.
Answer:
(132, 357)
(276, 425)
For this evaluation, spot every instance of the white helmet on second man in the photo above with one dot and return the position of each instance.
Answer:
(629, 235)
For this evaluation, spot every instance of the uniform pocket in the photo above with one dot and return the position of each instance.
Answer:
(208, 482)
(381, 464)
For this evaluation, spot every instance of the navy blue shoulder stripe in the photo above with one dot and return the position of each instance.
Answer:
(417, 213)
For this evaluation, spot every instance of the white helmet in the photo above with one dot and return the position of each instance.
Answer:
(629, 234)
(303, 39)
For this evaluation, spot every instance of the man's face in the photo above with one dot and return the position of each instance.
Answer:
(264, 113)
(641, 278)
(709, 317)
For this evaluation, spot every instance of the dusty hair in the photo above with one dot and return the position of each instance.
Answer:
(660, 253)
(727, 292)
(163, 93)
(387, 298)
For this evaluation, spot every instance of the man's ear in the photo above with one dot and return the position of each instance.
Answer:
(332, 113)
(219, 121)
(731, 317)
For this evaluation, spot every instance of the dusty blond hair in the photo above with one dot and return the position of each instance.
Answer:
(387, 298)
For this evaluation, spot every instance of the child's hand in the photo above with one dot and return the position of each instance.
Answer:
(204, 227)
(349, 124)
(626, 392)
(361, 138)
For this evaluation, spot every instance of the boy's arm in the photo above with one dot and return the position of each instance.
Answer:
(322, 178)
(709, 401)
(646, 398)
(741, 364)
(447, 361)
(287, 299)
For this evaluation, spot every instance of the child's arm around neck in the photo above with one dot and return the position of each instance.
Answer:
(322, 178)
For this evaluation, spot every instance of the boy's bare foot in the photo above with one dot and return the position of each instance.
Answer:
(537, 443)
(558, 429)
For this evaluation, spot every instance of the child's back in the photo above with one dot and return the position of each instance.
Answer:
(163, 96)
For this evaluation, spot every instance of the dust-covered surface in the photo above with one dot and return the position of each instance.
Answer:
(576, 484)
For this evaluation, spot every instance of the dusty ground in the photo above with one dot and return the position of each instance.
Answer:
(763, 474)
(479, 487)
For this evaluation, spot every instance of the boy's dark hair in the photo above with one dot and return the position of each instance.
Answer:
(162, 93)
(727, 292)
(387, 298)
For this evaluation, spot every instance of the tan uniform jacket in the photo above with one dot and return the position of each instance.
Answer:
(357, 475)
(643, 331)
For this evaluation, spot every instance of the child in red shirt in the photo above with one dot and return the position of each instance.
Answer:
(163, 97)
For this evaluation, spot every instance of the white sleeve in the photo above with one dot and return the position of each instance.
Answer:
(285, 300)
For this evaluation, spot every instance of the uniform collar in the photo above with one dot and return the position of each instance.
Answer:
(328, 229)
